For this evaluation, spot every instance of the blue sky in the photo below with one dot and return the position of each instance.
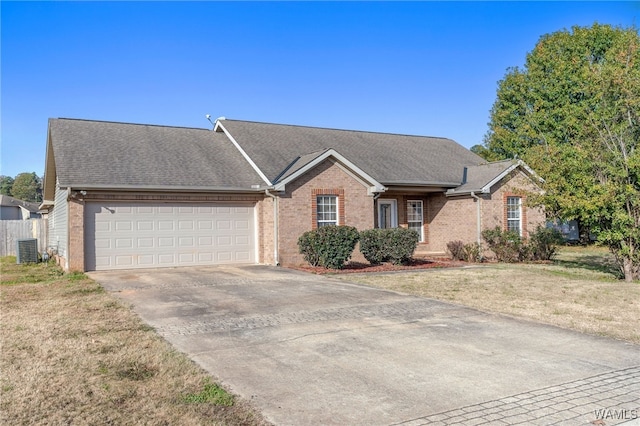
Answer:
(424, 68)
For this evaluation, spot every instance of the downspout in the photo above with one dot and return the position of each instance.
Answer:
(276, 261)
(478, 224)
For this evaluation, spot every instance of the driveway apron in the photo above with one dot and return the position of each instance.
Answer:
(306, 349)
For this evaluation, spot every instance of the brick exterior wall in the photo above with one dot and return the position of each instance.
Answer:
(264, 212)
(455, 218)
(445, 218)
(450, 219)
(297, 214)
(75, 255)
(494, 210)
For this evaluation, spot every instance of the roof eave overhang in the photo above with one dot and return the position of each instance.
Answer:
(467, 192)
(420, 187)
(46, 205)
(158, 188)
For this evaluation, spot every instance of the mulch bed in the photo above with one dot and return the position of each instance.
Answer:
(358, 267)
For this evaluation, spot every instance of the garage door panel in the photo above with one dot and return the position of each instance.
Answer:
(205, 241)
(225, 257)
(242, 225)
(164, 242)
(145, 225)
(223, 225)
(124, 260)
(242, 240)
(140, 235)
(123, 243)
(146, 260)
(166, 225)
(243, 257)
(145, 243)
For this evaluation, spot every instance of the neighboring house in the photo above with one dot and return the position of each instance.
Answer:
(125, 196)
(14, 209)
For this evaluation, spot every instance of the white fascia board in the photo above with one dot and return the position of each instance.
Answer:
(487, 188)
(242, 151)
(374, 187)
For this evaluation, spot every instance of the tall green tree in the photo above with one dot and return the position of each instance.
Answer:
(6, 182)
(573, 113)
(27, 187)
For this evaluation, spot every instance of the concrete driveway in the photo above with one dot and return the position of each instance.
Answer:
(314, 350)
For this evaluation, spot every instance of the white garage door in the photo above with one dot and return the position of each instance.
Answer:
(141, 235)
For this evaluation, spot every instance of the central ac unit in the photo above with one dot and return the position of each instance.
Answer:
(27, 251)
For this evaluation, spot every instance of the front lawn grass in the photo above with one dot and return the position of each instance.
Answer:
(580, 290)
(73, 354)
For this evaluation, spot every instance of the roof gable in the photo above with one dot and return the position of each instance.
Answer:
(481, 178)
(303, 164)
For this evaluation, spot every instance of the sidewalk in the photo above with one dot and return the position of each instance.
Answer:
(605, 399)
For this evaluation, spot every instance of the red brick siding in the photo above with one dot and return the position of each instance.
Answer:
(450, 219)
(75, 254)
(297, 214)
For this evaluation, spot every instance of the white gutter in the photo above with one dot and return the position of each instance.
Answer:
(276, 261)
(478, 223)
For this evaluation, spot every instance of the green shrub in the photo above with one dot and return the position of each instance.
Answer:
(402, 243)
(395, 245)
(373, 247)
(328, 246)
(544, 242)
(509, 247)
(308, 246)
(506, 245)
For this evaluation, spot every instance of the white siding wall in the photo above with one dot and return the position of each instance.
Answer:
(59, 222)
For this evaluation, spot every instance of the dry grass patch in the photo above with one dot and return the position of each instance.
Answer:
(72, 354)
(579, 291)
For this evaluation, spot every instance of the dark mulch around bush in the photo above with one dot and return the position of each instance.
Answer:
(359, 267)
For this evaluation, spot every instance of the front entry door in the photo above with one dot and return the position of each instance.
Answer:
(387, 214)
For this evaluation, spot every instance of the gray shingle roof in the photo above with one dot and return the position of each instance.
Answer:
(98, 153)
(480, 176)
(8, 201)
(389, 158)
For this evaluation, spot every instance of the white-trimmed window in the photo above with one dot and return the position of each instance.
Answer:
(415, 217)
(327, 210)
(514, 214)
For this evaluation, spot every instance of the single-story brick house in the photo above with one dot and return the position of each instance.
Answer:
(123, 196)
